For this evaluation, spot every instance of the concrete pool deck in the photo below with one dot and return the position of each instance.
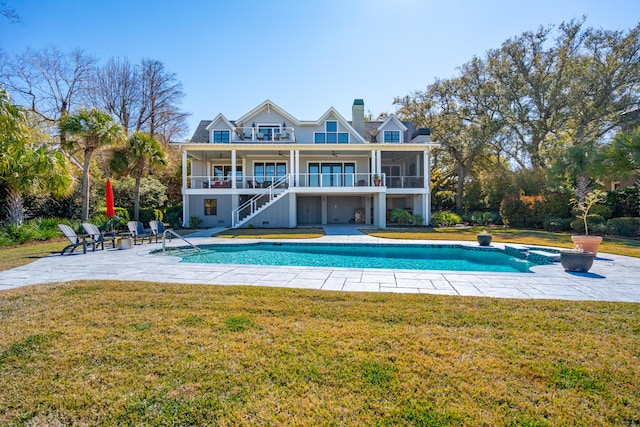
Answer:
(612, 277)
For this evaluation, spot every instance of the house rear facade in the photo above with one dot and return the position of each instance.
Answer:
(270, 169)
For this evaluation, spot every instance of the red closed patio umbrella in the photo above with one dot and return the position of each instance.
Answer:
(111, 212)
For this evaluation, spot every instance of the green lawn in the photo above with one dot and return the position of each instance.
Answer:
(112, 353)
(619, 246)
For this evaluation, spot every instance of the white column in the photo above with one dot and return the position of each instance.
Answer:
(379, 164)
(185, 197)
(427, 186)
(374, 165)
(233, 168)
(367, 209)
(297, 155)
(184, 170)
(418, 168)
(244, 172)
(292, 166)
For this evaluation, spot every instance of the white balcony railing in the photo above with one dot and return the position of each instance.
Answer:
(308, 180)
(264, 135)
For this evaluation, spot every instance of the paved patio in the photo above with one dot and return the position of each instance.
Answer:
(612, 277)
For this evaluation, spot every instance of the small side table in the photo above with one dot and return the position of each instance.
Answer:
(125, 241)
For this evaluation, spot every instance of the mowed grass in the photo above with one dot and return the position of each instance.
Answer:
(103, 353)
(612, 245)
(15, 256)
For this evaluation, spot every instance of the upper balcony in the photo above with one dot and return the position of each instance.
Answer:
(263, 134)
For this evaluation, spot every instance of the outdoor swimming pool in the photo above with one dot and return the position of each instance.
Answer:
(411, 257)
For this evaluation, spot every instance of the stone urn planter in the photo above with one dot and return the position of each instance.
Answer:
(576, 261)
(484, 239)
(587, 243)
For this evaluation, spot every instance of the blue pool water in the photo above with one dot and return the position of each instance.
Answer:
(412, 257)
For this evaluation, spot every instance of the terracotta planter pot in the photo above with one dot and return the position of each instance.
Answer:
(484, 239)
(579, 262)
(588, 243)
(377, 182)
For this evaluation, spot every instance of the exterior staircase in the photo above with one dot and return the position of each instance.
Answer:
(258, 203)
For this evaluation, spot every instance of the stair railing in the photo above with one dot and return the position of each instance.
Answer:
(252, 203)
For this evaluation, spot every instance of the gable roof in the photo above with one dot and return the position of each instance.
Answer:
(371, 130)
(393, 118)
(265, 105)
(220, 117)
(342, 120)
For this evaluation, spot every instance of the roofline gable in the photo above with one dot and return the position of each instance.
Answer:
(389, 119)
(217, 119)
(342, 120)
(268, 104)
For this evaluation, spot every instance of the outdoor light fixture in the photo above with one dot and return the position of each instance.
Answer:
(284, 125)
(253, 124)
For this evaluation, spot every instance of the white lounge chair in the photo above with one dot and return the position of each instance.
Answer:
(98, 236)
(75, 240)
(138, 232)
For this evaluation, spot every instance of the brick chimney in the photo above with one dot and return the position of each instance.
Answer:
(357, 116)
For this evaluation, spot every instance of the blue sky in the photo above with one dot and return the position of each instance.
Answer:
(304, 55)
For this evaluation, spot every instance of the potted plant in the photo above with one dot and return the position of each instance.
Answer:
(585, 198)
(484, 238)
(577, 260)
(376, 180)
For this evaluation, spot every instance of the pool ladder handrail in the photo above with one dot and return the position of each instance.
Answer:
(164, 238)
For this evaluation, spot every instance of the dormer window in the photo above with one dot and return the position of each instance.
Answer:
(221, 136)
(331, 134)
(392, 136)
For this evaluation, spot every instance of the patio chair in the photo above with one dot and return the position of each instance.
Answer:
(75, 240)
(138, 232)
(157, 229)
(98, 236)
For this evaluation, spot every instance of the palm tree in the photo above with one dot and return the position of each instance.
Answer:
(142, 154)
(94, 129)
(26, 167)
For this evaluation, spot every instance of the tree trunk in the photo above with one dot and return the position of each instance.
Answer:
(136, 205)
(85, 184)
(460, 188)
(15, 207)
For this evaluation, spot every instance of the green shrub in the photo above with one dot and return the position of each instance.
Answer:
(34, 230)
(623, 202)
(173, 216)
(513, 211)
(195, 221)
(483, 218)
(401, 216)
(118, 222)
(593, 221)
(445, 219)
(147, 215)
(557, 224)
(601, 210)
(626, 227)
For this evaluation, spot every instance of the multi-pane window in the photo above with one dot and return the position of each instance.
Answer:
(269, 172)
(331, 134)
(211, 206)
(221, 136)
(223, 172)
(391, 136)
(331, 174)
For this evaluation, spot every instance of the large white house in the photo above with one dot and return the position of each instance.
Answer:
(270, 169)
